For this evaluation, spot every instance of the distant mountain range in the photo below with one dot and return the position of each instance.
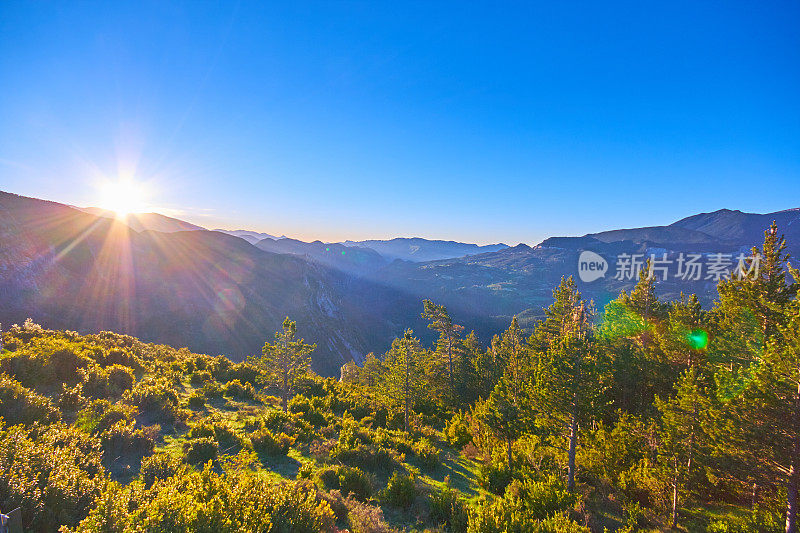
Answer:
(420, 250)
(169, 281)
(250, 236)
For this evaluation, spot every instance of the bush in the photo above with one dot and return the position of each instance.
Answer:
(108, 382)
(427, 454)
(526, 506)
(299, 404)
(276, 420)
(365, 518)
(155, 397)
(158, 466)
(197, 401)
(448, 509)
(315, 418)
(760, 520)
(212, 390)
(353, 480)
(117, 356)
(235, 389)
(223, 434)
(200, 450)
(401, 491)
(123, 438)
(70, 399)
(54, 475)
(329, 477)
(269, 443)
(101, 415)
(457, 431)
(198, 378)
(494, 477)
(233, 501)
(19, 405)
(306, 471)
(350, 480)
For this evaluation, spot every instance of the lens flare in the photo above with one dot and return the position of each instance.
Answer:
(698, 339)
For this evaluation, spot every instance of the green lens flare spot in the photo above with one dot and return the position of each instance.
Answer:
(698, 339)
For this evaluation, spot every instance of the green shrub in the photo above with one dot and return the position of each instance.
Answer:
(235, 389)
(54, 474)
(353, 480)
(212, 390)
(200, 450)
(299, 404)
(71, 398)
(370, 457)
(347, 479)
(118, 356)
(200, 377)
(107, 382)
(222, 433)
(269, 443)
(526, 506)
(19, 405)
(759, 520)
(276, 420)
(158, 466)
(230, 502)
(457, 431)
(315, 418)
(197, 401)
(427, 454)
(494, 477)
(122, 438)
(449, 510)
(401, 491)
(156, 398)
(329, 477)
(102, 414)
(306, 471)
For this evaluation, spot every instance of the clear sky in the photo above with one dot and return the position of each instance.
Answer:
(477, 122)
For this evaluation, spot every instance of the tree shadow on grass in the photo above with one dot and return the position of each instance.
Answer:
(461, 478)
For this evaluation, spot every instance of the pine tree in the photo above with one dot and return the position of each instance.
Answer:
(568, 380)
(761, 289)
(756, 372)
(686, 334)
(487, 369)
(548, 332)
(783, 360)
(503, 415)
(371, 371)
(448, 344)
(684, 418)
(286, 359)
(514, 358)
(404, 379)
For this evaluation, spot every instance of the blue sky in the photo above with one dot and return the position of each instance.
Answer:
(474, 122)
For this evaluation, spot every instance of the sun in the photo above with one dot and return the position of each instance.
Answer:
(123, 197)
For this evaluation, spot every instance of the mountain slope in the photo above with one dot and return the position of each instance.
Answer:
(146, 221)
(206, 290)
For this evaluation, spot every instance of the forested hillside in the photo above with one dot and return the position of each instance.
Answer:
(644, 415)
